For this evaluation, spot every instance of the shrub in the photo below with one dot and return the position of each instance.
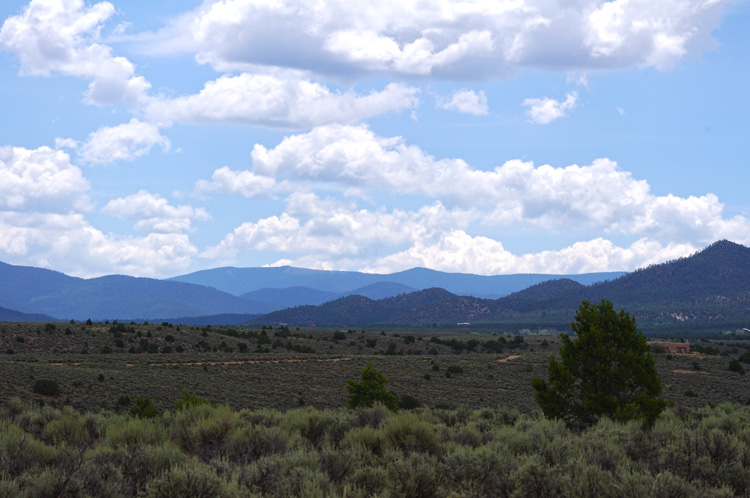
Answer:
(143, 408)
(408, 402)
(46, 387)
(410, 434)
(188, 400)
(250, 443)
(414, 475)
(187, 481)
(371, 480)
(136, 433)
(735, 366)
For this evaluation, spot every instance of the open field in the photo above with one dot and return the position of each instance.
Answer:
(272, 371)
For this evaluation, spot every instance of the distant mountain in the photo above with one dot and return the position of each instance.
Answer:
(7, 315)
(710, 289)
(21, 284)
(240, 281)
(381, 290)
(39, 291)
(221, 320)
(291, 296)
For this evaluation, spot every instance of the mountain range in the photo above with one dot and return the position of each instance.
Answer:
(709, 290)
(225, 295)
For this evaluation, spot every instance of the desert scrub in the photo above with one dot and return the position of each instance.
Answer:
(204, 430)
(317, 426)
(135, 432)
(407, 433)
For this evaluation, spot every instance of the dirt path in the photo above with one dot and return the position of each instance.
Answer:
(511, 357)
(246, 362)
(687, 372)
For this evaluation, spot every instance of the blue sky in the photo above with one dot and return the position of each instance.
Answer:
(515, 136)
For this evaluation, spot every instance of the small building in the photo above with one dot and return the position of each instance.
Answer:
(672, 347)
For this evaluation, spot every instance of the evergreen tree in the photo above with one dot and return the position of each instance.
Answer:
(606, 371)
(370, 390)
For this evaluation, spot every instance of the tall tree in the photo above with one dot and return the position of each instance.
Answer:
(606, 371)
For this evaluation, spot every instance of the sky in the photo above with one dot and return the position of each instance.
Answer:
(490, 137)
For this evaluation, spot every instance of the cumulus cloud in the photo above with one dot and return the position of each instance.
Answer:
(324, 233)
(546, 110)
(62, 36)
(329, 231)
(123, 142)
(458, 40)
(68, 243)
(466, 101)
(269, 100)
(153, 213)
(41, 179)
(244, 183)
(599, 196)
(457, 251)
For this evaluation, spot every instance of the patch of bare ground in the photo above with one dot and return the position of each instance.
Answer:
(247, 362)
(508, 358)
(687, 371)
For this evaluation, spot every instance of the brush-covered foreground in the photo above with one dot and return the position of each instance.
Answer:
(214, 451)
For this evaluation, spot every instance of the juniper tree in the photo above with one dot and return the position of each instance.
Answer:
(370, 390)
(606, 370)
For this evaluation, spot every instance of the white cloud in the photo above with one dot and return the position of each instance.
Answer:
(546, 110)
(68, 243)
(599, 196)
(466, 101)
(242, 183)
(41, 179)
(456, 251)
(461, 40)
(278, 102)
(329, 232)
(123, 142)
(62, 36)
(153, 213)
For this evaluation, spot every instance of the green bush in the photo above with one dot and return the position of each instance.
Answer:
(142, 407)
(410, 434)
(188, 399)
(137, 433)
(252, 442)
(46, 387)
(408, 402)
(735, 366)
(191, 480)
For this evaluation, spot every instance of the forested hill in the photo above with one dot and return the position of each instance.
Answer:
(709, 289)
(721, 270)
(417, 308)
